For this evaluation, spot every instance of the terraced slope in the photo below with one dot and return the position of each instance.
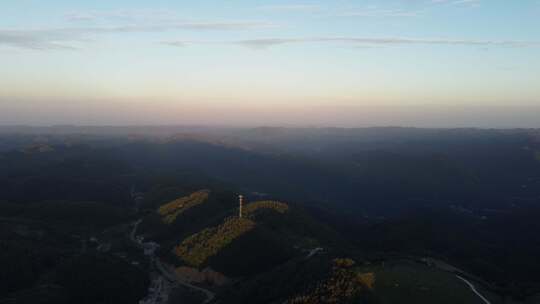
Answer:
(172, 210)
(318, 279)
(196, 249)
(240, 246)
(254, 209)
(343, 284)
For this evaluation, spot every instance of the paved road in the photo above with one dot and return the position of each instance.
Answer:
(171, 275)
(134, 230)
(313, 252)
(473, 289)
(166, 272)
(158, 292)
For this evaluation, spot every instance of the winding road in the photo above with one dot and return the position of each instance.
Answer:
(473, 289)
(165, 270)
(169, 274)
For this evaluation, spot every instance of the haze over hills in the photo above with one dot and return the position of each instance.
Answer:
(143, 117)
(346, 215)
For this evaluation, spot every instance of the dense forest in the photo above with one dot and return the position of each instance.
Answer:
(335, 214)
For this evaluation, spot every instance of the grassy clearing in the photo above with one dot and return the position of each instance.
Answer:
(414, 283)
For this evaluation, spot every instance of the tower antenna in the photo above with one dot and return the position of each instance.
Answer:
(241, 202)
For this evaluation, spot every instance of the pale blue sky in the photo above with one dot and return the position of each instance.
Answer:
(162, 62)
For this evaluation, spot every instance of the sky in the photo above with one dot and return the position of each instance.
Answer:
(425, 63)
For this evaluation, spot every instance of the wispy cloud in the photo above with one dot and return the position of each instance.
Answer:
(471, 3)
(382, 12)
(369, 11)
(375, 12)
(130, 15)
(291, 7)
(64, 38)
(359, 41)
(37, 39)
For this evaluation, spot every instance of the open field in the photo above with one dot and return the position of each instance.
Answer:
(397, 281)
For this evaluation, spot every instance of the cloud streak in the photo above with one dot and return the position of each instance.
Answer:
(472, 3)
(155, 15)
(373, 12)
(360, 41)
(37, 39)
(64, 38)
(291, 7)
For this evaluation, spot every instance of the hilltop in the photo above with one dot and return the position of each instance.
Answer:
(192, 233)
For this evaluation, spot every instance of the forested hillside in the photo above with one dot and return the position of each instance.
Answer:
(392, 200)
